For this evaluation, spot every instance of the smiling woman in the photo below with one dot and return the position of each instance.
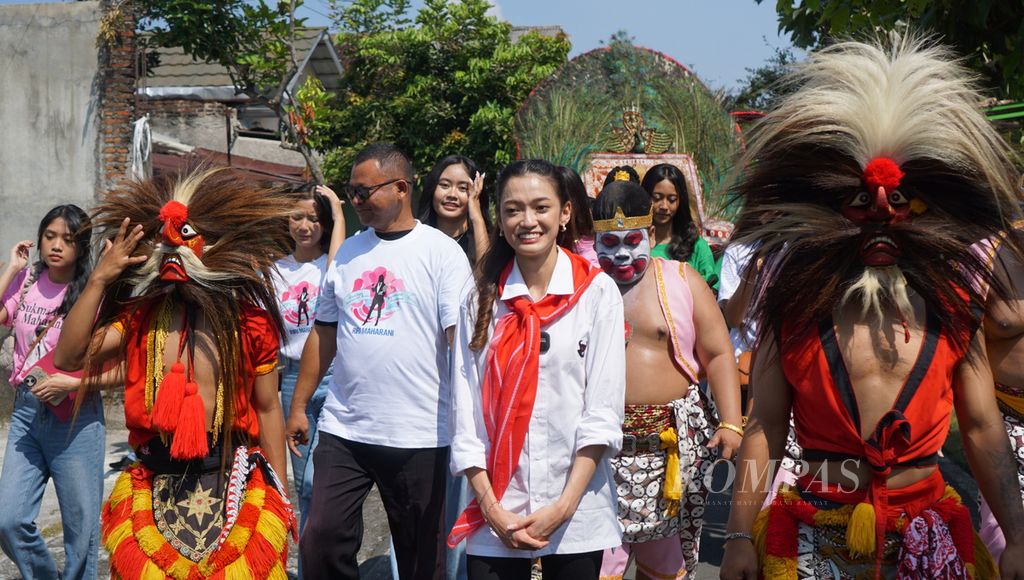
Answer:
(540, 344)
(454, 201)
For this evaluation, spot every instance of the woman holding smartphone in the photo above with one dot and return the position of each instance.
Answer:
(39, 445)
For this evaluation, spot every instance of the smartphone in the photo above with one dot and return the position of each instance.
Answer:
(36, 376)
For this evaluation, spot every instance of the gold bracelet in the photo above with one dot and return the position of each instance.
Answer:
(731, 427)
(489, 507)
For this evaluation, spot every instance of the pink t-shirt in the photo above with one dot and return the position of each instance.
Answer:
(41, 300)
(585, 247)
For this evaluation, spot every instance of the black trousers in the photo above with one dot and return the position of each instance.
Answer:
(585, 566)
(411, 483)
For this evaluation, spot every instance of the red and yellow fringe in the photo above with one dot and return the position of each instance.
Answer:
(256, 547)
(776, 528)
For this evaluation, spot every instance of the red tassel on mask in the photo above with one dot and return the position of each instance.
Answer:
(190, 433)
(169, 396)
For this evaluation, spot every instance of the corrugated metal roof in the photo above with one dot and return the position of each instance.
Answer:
(177, 69)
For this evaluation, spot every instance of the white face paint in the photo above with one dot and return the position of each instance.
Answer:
(624, 255)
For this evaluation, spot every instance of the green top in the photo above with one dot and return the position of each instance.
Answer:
(701, 260)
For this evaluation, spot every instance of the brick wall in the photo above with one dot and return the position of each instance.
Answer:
(180, 107)
(117, 102)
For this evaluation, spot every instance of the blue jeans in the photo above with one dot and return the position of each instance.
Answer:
(40, 447)
(302, 467)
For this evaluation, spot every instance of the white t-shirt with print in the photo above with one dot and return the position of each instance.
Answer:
(392, 301)
(297, 287)
(734, 262)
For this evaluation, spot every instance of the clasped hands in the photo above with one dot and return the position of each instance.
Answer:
(531, 532)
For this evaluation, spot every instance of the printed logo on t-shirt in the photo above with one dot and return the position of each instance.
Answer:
(376, 296)
(38, 316)
(298, 304)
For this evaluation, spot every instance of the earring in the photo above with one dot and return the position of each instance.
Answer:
(563, 227)
(501, 233)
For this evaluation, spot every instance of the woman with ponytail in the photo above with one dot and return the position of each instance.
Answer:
(538, 392)
(676, 236)
(42, 444)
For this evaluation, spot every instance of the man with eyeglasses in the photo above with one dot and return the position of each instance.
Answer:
(385, 420)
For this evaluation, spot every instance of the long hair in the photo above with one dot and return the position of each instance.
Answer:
(321, 206)
(426, 211)
(906, 99)
(501, 253)
(684, 231)
(245, 228)
(80, 227)
(581, 218)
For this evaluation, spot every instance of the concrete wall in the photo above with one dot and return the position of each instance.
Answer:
(49, 106)
(204, 124)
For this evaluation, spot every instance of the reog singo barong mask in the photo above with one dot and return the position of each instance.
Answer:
(874, 177)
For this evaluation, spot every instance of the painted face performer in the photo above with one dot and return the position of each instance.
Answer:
(674, 330)
(193, 321)
(870, 185)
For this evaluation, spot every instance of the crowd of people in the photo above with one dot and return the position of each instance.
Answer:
(536, 381)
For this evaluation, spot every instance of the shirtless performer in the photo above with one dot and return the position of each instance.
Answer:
(674, 330)
(192, 318)
(1004, 339)
(872, 181)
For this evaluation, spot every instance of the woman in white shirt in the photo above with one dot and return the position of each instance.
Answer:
(538, 391)
(317, 228)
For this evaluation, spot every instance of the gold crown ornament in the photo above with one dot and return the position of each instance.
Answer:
(621, 223)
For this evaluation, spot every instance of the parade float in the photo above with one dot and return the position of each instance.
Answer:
(628, 105)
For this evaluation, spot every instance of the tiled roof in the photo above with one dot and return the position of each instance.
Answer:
(177, 69)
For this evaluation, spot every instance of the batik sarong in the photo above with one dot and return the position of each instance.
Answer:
(644, 511)
(198, 521)
(1013, 420)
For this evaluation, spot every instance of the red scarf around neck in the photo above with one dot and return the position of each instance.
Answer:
(510, 381)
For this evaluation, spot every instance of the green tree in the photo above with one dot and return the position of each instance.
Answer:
(762, 88)
(254, 42)
(448, 81)
(988, 33)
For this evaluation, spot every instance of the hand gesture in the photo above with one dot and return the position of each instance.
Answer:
(19, 255)
(474, 195)
(543, 522)
(55, 387)
(727, 441)
(297, 432)
(509, 529)
(332, 199)
(117, 253)
(739, 562)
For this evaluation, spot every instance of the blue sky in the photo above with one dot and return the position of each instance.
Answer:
(718, 39)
